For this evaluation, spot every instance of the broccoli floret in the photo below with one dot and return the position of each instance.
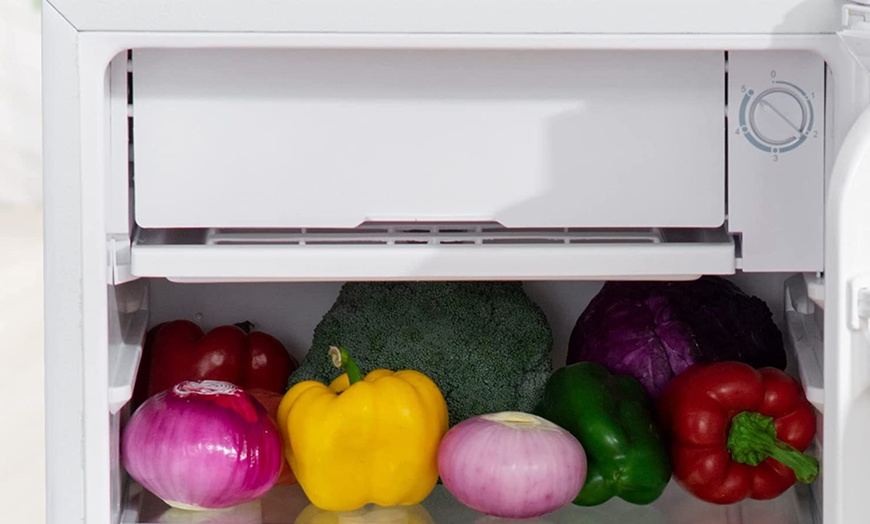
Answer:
(485, 344)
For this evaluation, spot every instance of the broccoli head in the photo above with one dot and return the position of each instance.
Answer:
(485, 344)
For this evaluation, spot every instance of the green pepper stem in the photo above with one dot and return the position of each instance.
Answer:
(752, 438)
(342, 360)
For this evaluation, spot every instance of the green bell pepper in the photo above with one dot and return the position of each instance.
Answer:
(614, 420)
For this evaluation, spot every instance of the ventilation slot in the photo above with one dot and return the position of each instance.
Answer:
(434, 234)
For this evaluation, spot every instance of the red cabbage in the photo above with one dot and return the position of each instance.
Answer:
(655, 330)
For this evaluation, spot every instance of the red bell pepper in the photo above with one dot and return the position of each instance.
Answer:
(737, 432)
(271, 400)
(180, 350)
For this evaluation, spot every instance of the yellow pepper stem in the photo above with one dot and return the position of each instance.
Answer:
(342, 360)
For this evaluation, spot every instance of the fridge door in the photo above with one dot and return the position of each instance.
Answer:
(847, 330)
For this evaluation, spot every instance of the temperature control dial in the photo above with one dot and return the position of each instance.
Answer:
(777, 119)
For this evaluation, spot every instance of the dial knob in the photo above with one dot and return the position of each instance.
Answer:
(778, 117)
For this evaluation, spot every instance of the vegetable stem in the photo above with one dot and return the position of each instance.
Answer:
(342, 360)
(247, 326)
(752, 439)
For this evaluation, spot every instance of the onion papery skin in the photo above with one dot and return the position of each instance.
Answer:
(202, 445)
(511, 465)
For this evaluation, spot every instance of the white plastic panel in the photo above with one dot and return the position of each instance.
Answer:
(333, 138)
(854, 32)
(127, 324)
(815, 289)
(128, 321)
(847, 344)
(449, 16)
(65, 435)
(776, 159)
(118, 213)
(189, 256)
(805, 340)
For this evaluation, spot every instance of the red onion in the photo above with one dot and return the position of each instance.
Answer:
(512, 465)
(202, 445)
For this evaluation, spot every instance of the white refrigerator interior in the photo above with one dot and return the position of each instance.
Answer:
(214, 160)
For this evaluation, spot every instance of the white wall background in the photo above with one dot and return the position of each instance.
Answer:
(20, 125)
(22, 420)
(22, 463)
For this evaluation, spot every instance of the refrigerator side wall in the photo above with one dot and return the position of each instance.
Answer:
(64, 376)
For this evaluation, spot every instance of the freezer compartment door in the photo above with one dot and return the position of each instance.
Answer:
(337, 137)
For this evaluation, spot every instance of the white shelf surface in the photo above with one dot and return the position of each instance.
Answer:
(283, 505)
(457, 16)
(414, 252)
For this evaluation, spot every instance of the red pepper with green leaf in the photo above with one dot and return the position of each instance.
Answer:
(737, 432)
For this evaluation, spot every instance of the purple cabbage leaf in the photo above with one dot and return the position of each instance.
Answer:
(655, 330)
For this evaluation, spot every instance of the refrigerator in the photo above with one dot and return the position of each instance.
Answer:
(219, 160)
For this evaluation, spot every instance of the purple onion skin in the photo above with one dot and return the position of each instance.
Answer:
(511, 465)
(202, 445)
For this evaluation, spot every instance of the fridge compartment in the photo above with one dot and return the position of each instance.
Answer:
(334, 137)
(431, 251)
(291, 310)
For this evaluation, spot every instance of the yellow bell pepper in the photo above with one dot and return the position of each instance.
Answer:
(364, 441)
